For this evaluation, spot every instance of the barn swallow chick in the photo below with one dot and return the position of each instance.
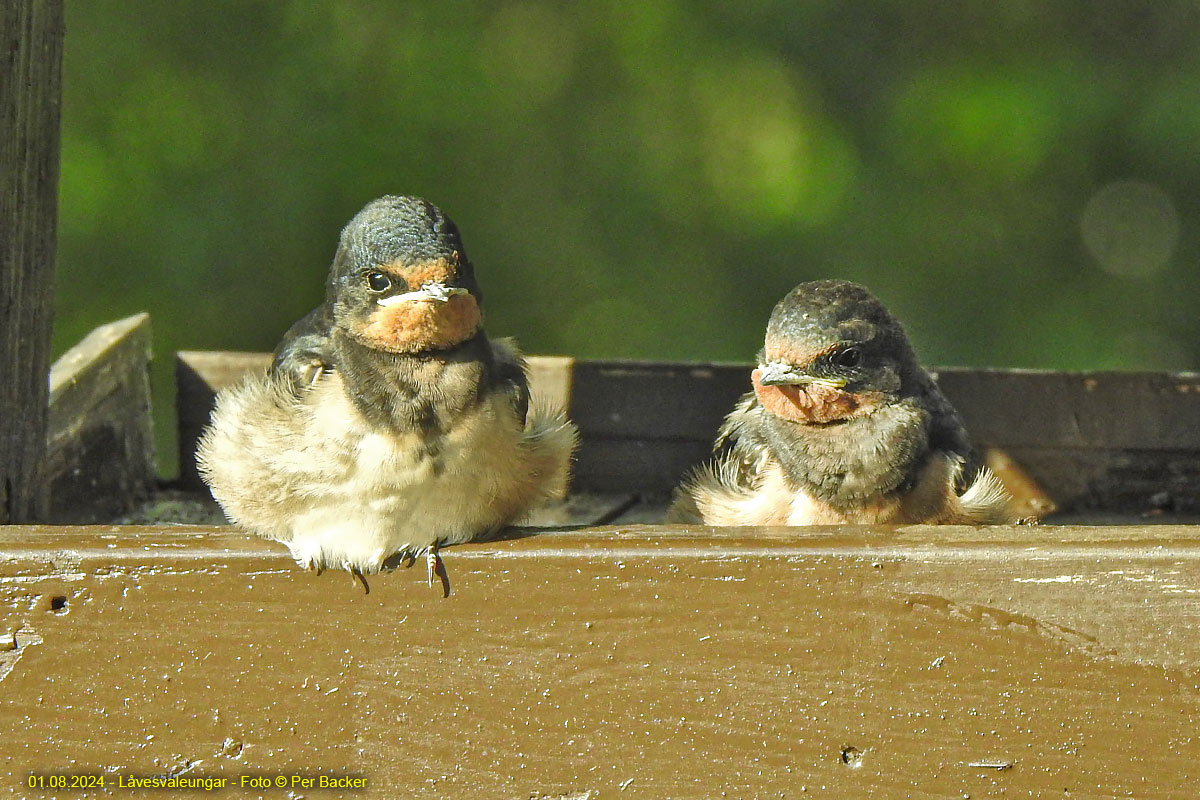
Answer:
(842, 426)
(388, 424)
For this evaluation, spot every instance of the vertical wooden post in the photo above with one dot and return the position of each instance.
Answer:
(31, 42)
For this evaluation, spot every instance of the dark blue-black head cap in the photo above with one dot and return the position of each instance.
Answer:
(838, 329)
(403, 232)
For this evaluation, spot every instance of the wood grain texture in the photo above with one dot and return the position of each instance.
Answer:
(31, 40)
(1115, 442)
(1151, 411)
(634, 662)
(1094, 440)
(100, 443)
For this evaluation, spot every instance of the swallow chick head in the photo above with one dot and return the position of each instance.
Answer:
(401, 281)
(832, 353)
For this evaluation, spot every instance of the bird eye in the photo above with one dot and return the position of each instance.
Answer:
(378, 282)
(849, 358)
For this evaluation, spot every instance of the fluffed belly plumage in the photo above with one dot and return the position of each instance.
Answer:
(310, 472)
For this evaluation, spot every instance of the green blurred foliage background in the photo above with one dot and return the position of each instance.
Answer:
(1017, 181)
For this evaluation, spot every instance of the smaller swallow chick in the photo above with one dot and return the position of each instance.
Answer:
(389, 424)
(842, 426)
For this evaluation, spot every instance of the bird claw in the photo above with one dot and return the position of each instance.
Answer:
(312, 372)
(356, 574)
(435, 567)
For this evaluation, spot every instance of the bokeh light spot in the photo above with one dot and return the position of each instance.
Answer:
(1130, 228)
(768, 159)
(993, 128)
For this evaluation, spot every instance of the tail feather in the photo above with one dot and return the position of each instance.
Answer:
(986, 501)
(717, 493)
(550, 440)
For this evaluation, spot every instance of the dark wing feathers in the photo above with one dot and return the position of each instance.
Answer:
(306, 350)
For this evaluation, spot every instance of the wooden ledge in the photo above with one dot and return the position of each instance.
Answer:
(1021, 542)
(630, 661)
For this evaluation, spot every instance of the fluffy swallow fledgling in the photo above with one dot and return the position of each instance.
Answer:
(388, 424)
(842, 426)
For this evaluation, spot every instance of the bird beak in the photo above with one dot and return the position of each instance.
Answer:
(777, 373)
(434, 290)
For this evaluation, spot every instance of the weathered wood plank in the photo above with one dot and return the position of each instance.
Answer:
(198, 378)
(31, 39)
(645, 662)
(550, 379)
(100, 443)
(651, 465)
(1152, 411)
(654, 400)
(1111, 441)
(1009, 408)
(1135, 481)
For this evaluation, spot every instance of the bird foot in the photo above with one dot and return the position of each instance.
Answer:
(435, 567)
(356, 574)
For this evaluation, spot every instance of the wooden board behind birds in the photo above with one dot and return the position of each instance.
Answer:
(650, 662)
(1125, 444)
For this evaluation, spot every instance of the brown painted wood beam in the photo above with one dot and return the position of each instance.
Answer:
(640, 662)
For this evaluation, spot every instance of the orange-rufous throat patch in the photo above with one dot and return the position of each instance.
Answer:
(811, 403)
(417, 326)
